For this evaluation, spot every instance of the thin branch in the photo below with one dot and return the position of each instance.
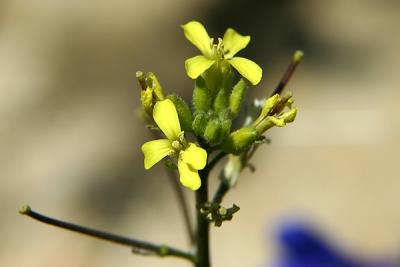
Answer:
(160, 250)
(297, 57)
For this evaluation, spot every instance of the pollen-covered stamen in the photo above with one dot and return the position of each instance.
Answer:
(180, 143)
(176, 145)
(217, 50)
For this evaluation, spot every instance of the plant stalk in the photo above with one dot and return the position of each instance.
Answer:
(203, 226)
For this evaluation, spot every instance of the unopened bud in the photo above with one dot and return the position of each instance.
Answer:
(237, 97)
(184, 113)
(201, 96)
(240, 140)
(271, 121)
(269, 104)
(213, 132)
(199, 123)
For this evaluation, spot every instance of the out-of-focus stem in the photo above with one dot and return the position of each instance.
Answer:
(297, 57)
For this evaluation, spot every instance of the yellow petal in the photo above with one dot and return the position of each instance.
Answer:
(155, 150)
(196, 33)
(195, 156)
(197, 65)
(247, 68)
(166, 117)
(234, 42)
(188, 176)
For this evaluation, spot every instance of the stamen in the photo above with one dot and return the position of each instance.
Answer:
(176, 145)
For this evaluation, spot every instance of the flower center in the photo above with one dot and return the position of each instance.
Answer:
(217, 50)
(177, 145)
(180, 143)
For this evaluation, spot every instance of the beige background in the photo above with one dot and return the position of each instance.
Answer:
(70, 136)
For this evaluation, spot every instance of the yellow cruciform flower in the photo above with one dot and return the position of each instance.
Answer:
(191, 157)
(224, 51)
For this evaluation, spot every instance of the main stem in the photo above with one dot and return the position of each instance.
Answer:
(203, 226)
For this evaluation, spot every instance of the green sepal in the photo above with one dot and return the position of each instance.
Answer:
(184, 113)
(199, 123)
(240, 140)
(201, 96)
(237, 97)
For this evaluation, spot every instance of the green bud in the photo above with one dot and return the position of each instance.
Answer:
(240, 140)
(280, 121)
(237, 97)
(269, 104)
(199, 123)
(221, 101)
(225, 128)
(184, 113)
(213, 132)
(201, 96)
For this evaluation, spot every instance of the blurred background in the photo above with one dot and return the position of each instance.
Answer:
(70, 134)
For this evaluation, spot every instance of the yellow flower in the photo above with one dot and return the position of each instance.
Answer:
(222, 52)
(191, 157)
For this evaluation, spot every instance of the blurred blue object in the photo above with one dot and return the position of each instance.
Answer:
(303, 246)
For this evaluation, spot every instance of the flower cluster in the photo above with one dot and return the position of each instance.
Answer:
(221, 84)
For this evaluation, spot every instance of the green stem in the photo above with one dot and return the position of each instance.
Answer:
(203, 226)
(160, 250)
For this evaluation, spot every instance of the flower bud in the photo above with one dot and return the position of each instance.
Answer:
(271, 121)
(237, 97)
(269, 104)
(240, 140)
(199, 123)
(213, 132)
(184, 113)
(201, 96)
(221, 101)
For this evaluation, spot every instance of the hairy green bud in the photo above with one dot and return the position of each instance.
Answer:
(184, 113)
(201, 96)
(221, 101)
(199, 123)
(240, 140)
(213, 132)
(237, 97)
